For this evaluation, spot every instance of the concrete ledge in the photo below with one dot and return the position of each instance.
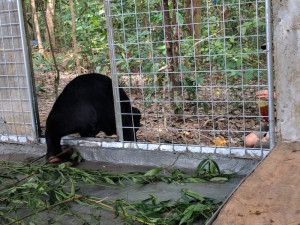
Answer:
(239, 152)
(133, 157)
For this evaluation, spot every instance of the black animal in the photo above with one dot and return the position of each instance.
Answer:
(86, 106)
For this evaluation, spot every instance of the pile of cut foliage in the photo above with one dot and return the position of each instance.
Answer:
(32, 191)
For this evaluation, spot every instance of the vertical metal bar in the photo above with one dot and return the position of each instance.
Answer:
(146, 128)
(242, 68)
(27, 71)
(126, 56)
(270, 73)
(113, 69)
(195, 72)
(17, 87)
(258, 72)
(210, 75)
(167, 73)
(181, 75)
(226, 75)
(9, 99)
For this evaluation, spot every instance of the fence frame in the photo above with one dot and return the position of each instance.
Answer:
(269, 35)
(28, 128)
(205, 149)
(147, 145)
(28, 71)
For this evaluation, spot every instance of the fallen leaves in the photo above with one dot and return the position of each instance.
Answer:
(219, 141)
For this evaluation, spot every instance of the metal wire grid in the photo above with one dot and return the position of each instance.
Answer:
(224, 103)
(15, 103)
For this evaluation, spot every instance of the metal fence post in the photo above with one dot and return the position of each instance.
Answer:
(113, 69)
(270, 72)
(30, 87)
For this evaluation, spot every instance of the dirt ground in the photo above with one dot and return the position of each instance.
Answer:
(196, 125)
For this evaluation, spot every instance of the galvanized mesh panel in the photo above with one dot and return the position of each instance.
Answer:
(201, 96)
(15, 107)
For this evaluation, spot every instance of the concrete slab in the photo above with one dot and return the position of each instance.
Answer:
(133, 193)
(129, 161)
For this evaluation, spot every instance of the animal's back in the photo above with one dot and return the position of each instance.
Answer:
(86, 88)
(85, 97)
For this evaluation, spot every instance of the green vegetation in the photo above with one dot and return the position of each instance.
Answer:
(227, 48)
(29, 190)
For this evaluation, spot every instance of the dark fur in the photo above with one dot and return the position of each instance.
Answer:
(86, 106)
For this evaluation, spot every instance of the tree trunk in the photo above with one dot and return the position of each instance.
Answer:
(187, 17)
(74, 37)
(57, 76)
(172, 53)
(168, 37)
(37, 32)
(197, 20)
(50, 11)
(176, 30)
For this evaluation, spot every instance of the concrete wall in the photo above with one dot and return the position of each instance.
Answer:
(287, 67)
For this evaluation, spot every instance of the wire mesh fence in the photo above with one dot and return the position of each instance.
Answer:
(15, 98)
(193, 68)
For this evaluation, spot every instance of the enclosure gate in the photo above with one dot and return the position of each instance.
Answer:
(196, 62)
(191, 67)
(17, 111)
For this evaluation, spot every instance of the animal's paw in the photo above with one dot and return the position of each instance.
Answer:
(68, 155)
(54, 160)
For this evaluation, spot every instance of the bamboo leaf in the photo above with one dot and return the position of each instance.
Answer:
(193, 194)
(62, 166)
(187, 214)
(201, 166)
(195, 180)
(72, 189)
(153, 172)
(47, 187)
(219, 179)
(216, 165)
(212, 168)
(108, 180)
(121, 183)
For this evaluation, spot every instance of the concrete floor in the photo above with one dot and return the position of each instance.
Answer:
(162, 191)
(133, 192)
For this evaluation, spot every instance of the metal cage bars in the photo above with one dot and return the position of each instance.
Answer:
(140, 43)
(210, 39)
(17, 102)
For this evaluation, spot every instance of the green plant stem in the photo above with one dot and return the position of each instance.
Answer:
(124, 213)
(62, 182)
(14, 184)
(47, 208)
(6, 217)
(28, 176)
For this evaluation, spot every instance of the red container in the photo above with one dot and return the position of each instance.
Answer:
(264, 111)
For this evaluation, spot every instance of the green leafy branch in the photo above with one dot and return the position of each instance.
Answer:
(38, 188)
